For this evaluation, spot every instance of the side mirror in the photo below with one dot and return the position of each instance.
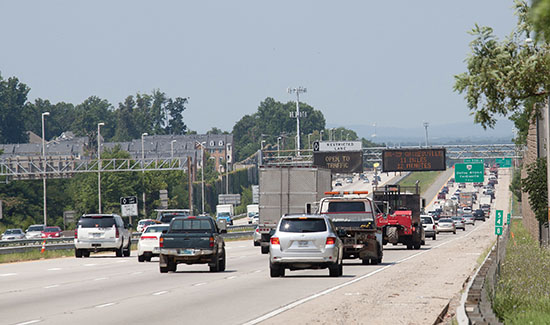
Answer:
(164, 231)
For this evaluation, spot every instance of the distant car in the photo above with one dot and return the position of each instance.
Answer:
(462, 185)
(445, 189)
(469, 219)
(454, 198)
(256, 237)
(446, 225)
(366, 180)
(148, 244)
(144, 223)
(51, 232)
(479, 215)
(467, 210)
(34, 231)
(441, 196)
(338, 183)
(305, 242)
(13, 234)
(349, 180)
(459, 223)
(428, 223)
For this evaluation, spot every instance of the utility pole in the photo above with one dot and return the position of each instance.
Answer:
(426, 124)
(45, 165)
(297, 90)
(143, 135)
(190, 184)
(99, 125)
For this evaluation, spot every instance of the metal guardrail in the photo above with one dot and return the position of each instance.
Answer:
(25, 245)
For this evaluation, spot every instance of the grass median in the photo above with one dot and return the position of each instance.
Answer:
(35, 255)
(426, 180)
(522, 295)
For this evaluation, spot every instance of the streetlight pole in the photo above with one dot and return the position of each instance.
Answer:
(45, 166)
(143, 169)
(202, 173)
(172, 149)
(309, 140)
(426, 124)
(278, 147)
(297, 90)
(99, 125)
(226, 169)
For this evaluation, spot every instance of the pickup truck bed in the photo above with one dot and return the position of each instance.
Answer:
(192, 240)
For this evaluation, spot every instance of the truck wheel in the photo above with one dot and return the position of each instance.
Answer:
(265, 249)
(454, 232)
(373, 261)
(417, 245)
(433, 237)
(276, 271)
(365, 261)
(393, 235)
(256, 243)
(409, 246)
(221, 267)
(172, 266)
(119, 251)
(126, 252)
(141, 258)
(85, 253)
(78, 253)
(464, 229)
(163, 269)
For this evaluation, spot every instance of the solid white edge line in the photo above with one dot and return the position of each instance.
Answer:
(8, 274)
(105, 305)
(345, 284)
(52, 286)
(159, 293)
(30, 322)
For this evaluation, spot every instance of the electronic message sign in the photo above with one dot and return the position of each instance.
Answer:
(397, 160)
(340, 162)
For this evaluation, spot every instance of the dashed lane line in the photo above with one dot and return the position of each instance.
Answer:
(105, 305)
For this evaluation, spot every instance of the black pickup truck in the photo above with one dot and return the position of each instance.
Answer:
(192, 240)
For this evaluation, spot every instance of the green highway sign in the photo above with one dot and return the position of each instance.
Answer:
(498, 231)
(498, 218)
(508, 219)
(469, 173)
(504, 162)
(473, 160)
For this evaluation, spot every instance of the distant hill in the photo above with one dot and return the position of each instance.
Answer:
(459, 132)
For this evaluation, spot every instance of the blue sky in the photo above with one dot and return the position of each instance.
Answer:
(363, 62)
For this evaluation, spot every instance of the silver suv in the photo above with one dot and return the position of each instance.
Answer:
(305, 242)
(101, 232)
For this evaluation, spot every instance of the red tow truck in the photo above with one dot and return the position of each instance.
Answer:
(400, 221)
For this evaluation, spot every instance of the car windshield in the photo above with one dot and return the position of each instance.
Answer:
(191, 225)
(146, 222)
(445, 220)
(346, 207)
(35, 228)
(303, 225)
(13, 231)
(155, 229)
(167, 217)
(96, 222)
(224, 214)
(426, 220)
(51, 229)
(457, 218)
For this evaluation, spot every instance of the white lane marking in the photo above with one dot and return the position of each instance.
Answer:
(257, 271)
(105, 305)
(8, 274)
(90, 264)
(121, 261)
(136, 273)
(231, 277)
(199, 284)
(99, 279)
(345, 284)
(159, 293)
(52, 286)
(30, 322)
(241, 246)
(54, 269)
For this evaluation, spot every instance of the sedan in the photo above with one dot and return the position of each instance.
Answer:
(459, 223)
(446, 225)
(148, 244)
(305, 242)
(51, 232)
(34, 231)
(13, 234)
(469, 219)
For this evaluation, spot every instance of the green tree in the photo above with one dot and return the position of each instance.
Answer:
(540, 18)
(13, 98)
(504, 78)
(535, 185)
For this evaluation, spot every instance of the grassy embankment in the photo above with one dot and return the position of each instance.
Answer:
(426, 179)
(523, 291)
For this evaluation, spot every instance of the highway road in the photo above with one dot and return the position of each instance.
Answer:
(104, 289)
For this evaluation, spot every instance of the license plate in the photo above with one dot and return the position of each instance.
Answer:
(96, 235)
(186, 252)
(303, 243)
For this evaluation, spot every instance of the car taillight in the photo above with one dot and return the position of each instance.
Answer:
(161, 242)
(211, 241)
(76, 233)
(117, 233)
(44, 235)
(148, 237)
(434, 227)
(275, 241)
(330, 240)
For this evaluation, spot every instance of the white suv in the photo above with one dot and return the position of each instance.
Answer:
(101, 232)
